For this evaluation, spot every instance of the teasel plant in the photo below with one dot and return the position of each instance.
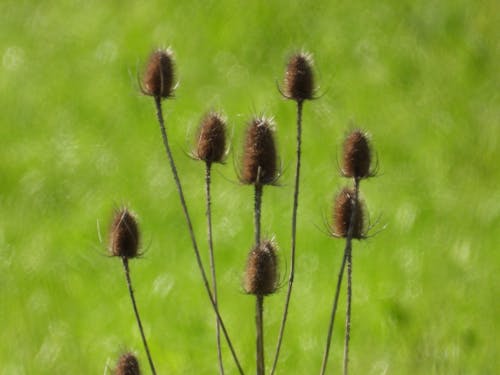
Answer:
(349, 222)
(260, 168)
(127, 365)
(159, 83)
(211, 148)
(298, 86)
(124, 243)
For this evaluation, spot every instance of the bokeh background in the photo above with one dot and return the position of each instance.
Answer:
(77, 140)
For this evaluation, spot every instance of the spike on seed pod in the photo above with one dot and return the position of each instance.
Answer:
(261, 275)
(127, 365)
(158, 80)
(259, 157)
(342, 210)
(357, 155)
(124, 237)
(299, 78)
(211, 146)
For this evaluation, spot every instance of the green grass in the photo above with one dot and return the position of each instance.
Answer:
(77, 139)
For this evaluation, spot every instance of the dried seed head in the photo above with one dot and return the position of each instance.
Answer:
(357, 155)
(261, 276)
(158, 80)
(342, 210)
(127, 365)
(259, 157)
(124, 237)
(299, 78)
(211, 146)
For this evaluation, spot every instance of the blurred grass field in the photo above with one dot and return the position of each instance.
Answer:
(77, 139)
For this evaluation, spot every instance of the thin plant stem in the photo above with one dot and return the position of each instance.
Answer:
(259, 324)
(257, 212)
(208, 169)
(294, 232)
(161, 122)
(136, 311)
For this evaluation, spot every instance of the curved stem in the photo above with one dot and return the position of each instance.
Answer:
(294, 231)
(259, 319)
(136, 311)
(161, 122)
(212, 261)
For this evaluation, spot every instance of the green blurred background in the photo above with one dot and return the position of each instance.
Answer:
(77, 139)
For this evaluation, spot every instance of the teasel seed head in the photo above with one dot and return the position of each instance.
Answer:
(299, 77)
(127, 365)
(261, 275)
(158, 79)
(259, 156)
(342, 210)
(211, 139)
(357, 155)
(124, 236)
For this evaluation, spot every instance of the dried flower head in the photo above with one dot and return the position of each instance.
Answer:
(357, 155)
(124, 236)
(299, 78)
(261, 276)
(158, 80)
(259, 157)
(211, 139)
(127, 365)
(342, 211)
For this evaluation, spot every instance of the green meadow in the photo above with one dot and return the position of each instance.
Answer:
(77, 140)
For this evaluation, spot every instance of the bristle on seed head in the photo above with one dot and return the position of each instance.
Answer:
(261, 275)
(211, 139)
(342, 210)
(158, 80)
(124, 236)
(259, 156)
(127, 365)
(299, 77)
(357, 155)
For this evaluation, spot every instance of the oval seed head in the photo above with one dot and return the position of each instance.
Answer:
(127, 365)
(124, 237)
(261, 275)
(299, 78)
(342, 211)
(158, 80)
(357, 155)
(259, 156)
(211, 146)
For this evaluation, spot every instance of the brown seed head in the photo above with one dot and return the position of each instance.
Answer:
(357, 155)
(158, 80)
(299, 78)
(124, 237)
(259, 157)
(211, 145)
(342, 210)
(127, 365)
(261, 276)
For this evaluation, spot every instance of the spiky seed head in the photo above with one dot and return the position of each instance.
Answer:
(342, 210)
(211, 139)
(259, 156)
(299, 77)
(127, 365)
(261, 275)
(357, 155)
(158, 80)
(124, 236)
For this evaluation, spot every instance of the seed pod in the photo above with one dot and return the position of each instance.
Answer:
(211, 145)
(259, 157)
(342, 211)
(299, 78)
(261, 276)
(127, 365)
(158, 80)
(357, 155)
(124, 237)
